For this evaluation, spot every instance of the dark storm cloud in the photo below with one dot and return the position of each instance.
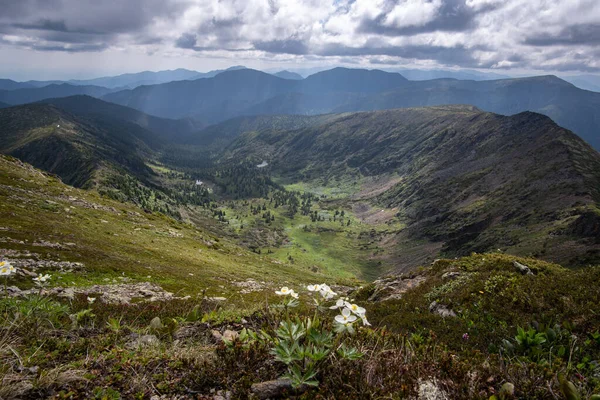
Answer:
(82, 21)
(288, 46)
(458, 56)
(452, 16)
(186, 41)
(543, 34)
(583, 34)
(45, 25)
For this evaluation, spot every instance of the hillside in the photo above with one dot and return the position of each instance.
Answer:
(462, 179)
(138, 305)
(92, 108)
(30, 95)
(567, 105)
(77, 150)
(4, 105)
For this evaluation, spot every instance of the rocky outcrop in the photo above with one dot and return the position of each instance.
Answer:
(523, 269)
(114, 294)
(393, 288)
(441, 310)
(276, 389)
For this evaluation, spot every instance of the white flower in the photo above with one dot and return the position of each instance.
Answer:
(355, 308)
(6, 269)
(41, 279)
(284, 291)
(91, 300)
(293, 294)
(346, 317)
(326, 292)
(338, 304)
(364, 320)
(314, 288)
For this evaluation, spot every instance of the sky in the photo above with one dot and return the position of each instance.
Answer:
(61, 39)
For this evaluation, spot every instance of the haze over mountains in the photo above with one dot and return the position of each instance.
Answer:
(222, 94)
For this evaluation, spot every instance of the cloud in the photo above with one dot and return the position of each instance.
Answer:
(410, 17)
(502, 34)
(582, 34)
(288, 46)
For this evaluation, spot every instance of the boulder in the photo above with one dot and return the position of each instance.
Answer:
(441, 310)
(451, 275)
(142, 341)
(429, 390)
(394, 287)
(523, 269)
(277, 389)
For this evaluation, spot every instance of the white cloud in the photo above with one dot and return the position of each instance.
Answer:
(519, 34)
(412, 13)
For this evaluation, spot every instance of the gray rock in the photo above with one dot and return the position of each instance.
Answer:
(190, 331)
(142, 341)
(523, 269)
(429, 390)
(451, 275)
(230, 335)
(441, 310)
(156, 324)
(277, 389)
(216, 335)
(222, 395)
(394, 287)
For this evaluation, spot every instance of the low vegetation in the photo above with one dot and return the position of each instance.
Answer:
(513, 336)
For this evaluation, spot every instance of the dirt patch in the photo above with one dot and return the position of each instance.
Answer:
(371, 215)
(374, 186)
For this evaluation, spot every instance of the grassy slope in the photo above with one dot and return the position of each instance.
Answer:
(34, 207)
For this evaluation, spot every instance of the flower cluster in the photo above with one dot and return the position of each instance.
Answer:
(349, 312)
(324, 290)
(6, 269)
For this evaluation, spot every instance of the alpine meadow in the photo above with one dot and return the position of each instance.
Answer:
(300, 199)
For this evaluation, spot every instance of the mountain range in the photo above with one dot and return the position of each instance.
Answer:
(31, 95)
(250, 92)
(244, 92)
(459, 178)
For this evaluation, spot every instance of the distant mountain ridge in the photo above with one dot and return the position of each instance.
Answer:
(288, 75)
(31, 95)
(9, 84)
(249, 92)
(133, 80)
(235, 93)
(569, 106)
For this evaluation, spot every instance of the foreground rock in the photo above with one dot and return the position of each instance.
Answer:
(113, 294)
(523, 269)
(441, 310)
(394, 287)
(277, 389)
